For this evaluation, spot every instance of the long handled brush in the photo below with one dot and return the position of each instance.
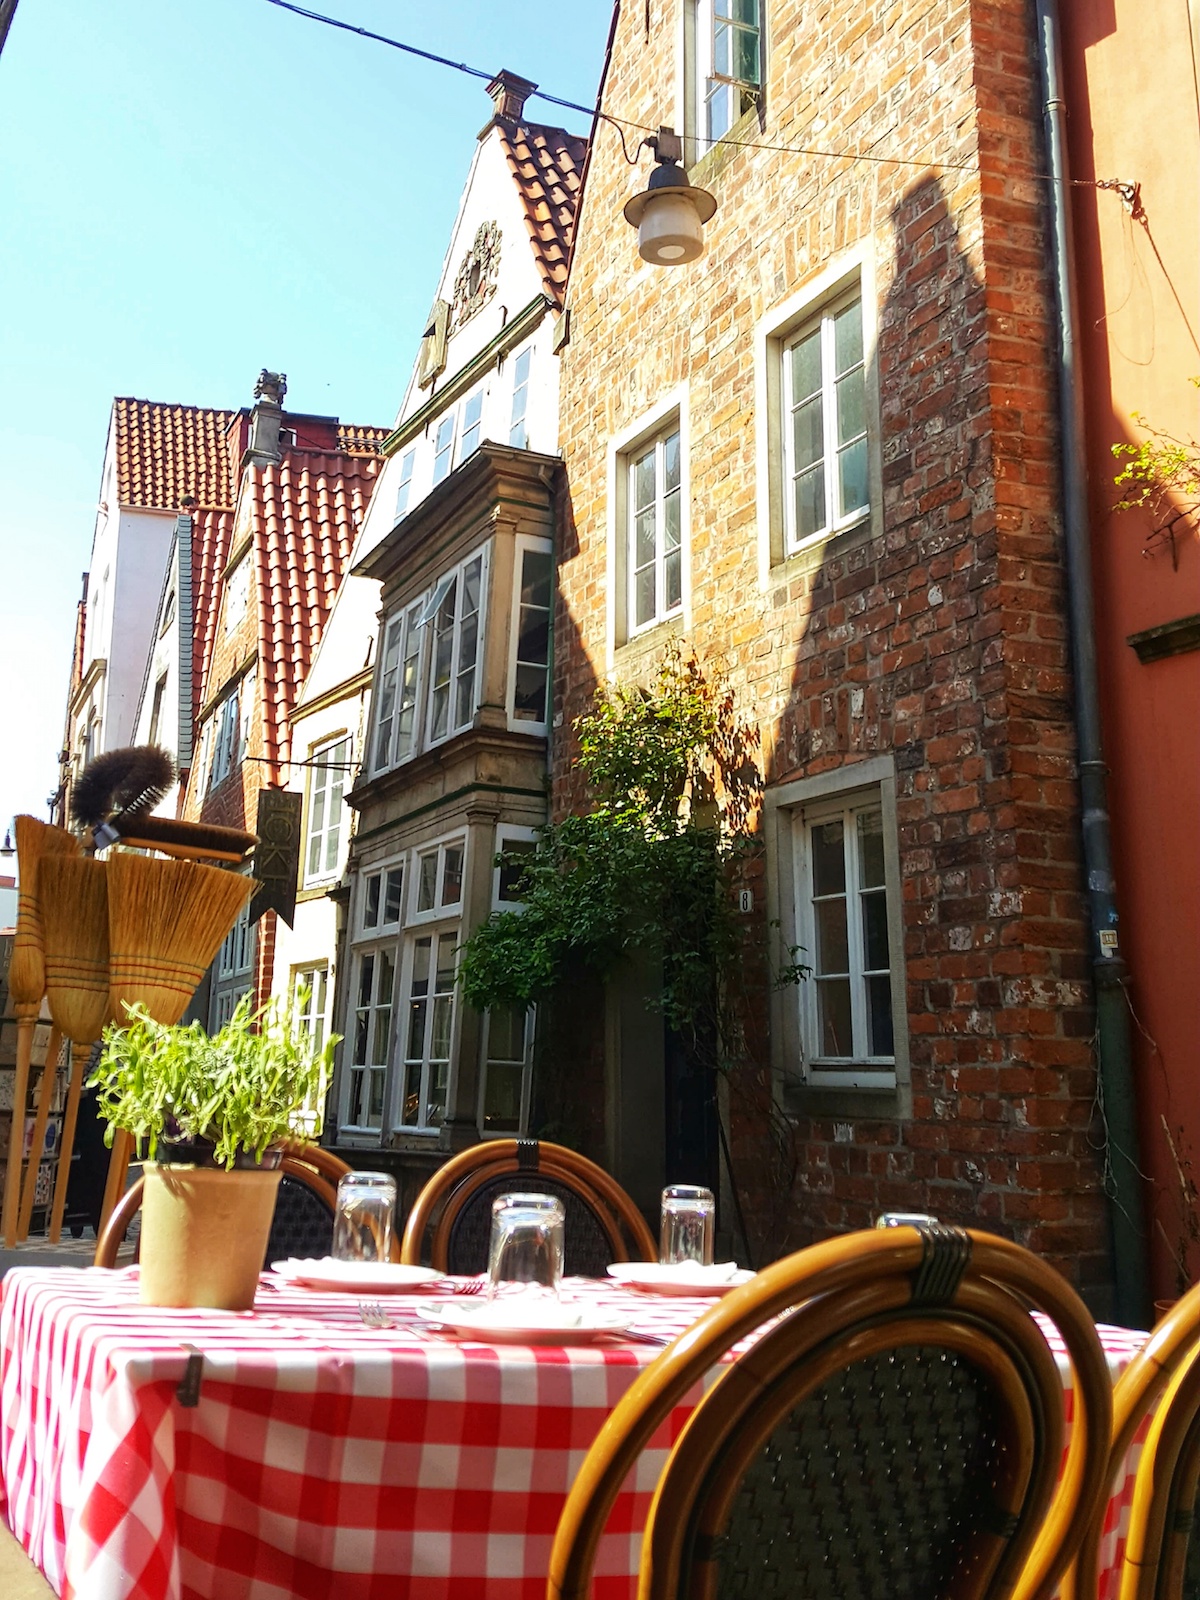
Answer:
(166, 921)
(46, 1089)
(36, 841)
(74, 899)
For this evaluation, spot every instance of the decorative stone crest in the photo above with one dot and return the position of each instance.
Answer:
(476, 281)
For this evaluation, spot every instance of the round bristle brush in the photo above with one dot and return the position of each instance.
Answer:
(36, 842)
(26, 973)
(74, 900)
(118, 787)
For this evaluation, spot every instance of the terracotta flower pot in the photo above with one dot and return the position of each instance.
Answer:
(204, 1234)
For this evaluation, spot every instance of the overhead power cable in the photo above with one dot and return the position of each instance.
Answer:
(619, 123)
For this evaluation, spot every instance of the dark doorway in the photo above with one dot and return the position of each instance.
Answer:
(691, 1113)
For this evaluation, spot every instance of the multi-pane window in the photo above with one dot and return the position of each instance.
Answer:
(428, 1029)
(404, 488)
(399, 675)
(443, 447)
(533, 636)
(845, 925)
(326, 781)
(472, 420)
(728, 61)
(504, 1094)
(370, 1027)
(509, 876)
(455, 652)
(237, 594)
(372, 994)
(233, 730)
(231, 970)
(312, 1001)
(310, 997)
(655, 556)
(439, 878)
(826, 485)
(518, 432)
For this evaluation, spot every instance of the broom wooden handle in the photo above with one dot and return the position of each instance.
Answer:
(118, 1171)
(184, 852)
(16, 1134)
(66, 1148)
(45, 1095)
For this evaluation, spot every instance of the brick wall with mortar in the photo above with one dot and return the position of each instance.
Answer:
(941, 637)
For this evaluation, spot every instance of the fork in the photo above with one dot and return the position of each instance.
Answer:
(373, 1315)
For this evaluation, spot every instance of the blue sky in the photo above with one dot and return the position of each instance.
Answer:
(191, 190)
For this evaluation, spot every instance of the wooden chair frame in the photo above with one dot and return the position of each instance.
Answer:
(1137, 1392)
(113, 1232)
(451, 1187)
(1164, 1493)
(864, 1282)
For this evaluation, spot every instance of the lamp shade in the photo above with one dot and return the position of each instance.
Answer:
(669, 218)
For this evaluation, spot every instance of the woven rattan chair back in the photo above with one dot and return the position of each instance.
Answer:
(302, 1224)
(455, 1206)
(896, 1433)
(1161, 1561)
(1137, 1393)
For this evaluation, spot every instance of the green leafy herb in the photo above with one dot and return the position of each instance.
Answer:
(244, 1088)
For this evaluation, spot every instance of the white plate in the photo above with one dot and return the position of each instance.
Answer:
(507, 1322)
(355, 1277)
(683, 1278)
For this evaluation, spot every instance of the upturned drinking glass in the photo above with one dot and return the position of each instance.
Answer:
(362, 1224)
(688, 1217)
(526, 1251)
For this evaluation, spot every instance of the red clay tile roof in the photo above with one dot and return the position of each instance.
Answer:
(547, 164)
(306, 513)
(212, 531)
(360, 441)
(165, 452)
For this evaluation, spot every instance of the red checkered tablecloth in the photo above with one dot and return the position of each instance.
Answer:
(324, 1458)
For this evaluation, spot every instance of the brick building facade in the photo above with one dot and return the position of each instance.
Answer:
(851, 399)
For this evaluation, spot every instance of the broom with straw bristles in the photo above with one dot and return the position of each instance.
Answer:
(166, 921)
(26, 986)
(73, 893)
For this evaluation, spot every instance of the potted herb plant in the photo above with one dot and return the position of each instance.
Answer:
(212, 1114)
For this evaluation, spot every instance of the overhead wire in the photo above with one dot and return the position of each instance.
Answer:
(620, 123)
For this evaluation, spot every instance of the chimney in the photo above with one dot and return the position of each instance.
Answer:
(509, 92)
(267, 416)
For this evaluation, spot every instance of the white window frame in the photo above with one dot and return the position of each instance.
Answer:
(526, 1065)
(449, 851)
(702, 89)
(774, 333)
(670, 410)
(404, 488)
(380, 884)
(237, 595)
(527, 544)
(311, 993)
(788, 810)
(399, 695)
(518, 419)
(328, 784)
(434, 932)
(457, 587)
(468, 428)
(232, 970)
(822, 326)
(508, 834)
(416, 626)
(657, 451)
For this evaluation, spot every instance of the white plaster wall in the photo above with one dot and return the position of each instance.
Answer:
(143, 540)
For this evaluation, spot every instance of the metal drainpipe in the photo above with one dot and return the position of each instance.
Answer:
(1108, 967)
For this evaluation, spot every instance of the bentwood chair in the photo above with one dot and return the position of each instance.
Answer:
(602, 1222)
(895, 1435)
(1162, 1559)
(304, 1210)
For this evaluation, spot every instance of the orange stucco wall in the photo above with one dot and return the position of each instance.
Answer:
(1134, 115)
